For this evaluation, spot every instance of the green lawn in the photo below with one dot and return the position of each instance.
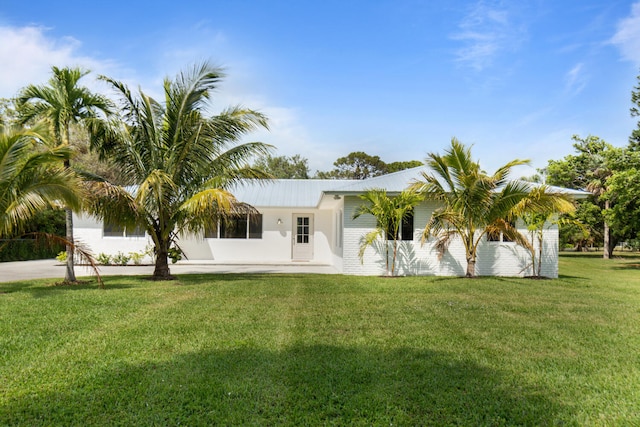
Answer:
(312, 349)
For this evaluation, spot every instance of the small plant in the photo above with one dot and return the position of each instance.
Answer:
(137, 257)
(104, 259)
(121, 258)
(62, 257)
(175, 254)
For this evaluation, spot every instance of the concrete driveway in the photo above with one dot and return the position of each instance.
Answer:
(50, 268)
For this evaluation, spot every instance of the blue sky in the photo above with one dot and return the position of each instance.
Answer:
(395, 79)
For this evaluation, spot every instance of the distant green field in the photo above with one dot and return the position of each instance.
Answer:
(312, 349)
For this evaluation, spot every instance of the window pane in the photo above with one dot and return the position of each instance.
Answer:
(211, 232)
(255, 226)
(113, 230)
(406, 231)
(234, 227)
(302, 229)
(138, 231)
(493, 237)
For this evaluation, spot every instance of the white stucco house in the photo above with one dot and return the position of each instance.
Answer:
(310, 222)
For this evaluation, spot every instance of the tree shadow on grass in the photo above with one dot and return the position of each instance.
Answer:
(627, 265)
(45, 287)
(301, 385)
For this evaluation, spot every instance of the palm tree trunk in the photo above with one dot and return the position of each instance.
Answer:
(540, 248)
(471, 266)
(393, 260)
(606, 236)
(161, 271)
(70, 274)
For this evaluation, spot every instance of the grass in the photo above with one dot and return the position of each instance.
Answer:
(312, 349)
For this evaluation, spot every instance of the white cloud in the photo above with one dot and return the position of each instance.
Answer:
(27, 54)
(485, 32)
(575, 79)
(627, 36)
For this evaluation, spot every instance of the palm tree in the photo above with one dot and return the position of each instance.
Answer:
(181, 161)
(32, 178)
(61, 103)
(475, 204)
(536, 224)
(390, 212)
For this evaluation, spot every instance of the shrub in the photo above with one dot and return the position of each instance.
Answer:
(62, 257)
(121, 258)
(137, 257)
(103, 259)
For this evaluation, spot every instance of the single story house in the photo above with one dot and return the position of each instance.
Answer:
(310, 222)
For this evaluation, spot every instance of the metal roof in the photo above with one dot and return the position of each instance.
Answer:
(285, 193)
(307, 193)
(392, 183)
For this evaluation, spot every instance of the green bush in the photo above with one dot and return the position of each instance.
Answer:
(137, 257)
(28, 249)
(103, 259)
(121, 258)
(62, 257)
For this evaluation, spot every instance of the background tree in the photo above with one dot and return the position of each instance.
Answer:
(8, 114)
(474, 204)
(589, 170)
(181, 161)
(622, 197)
(634, 139)
(284, 167)
(400, 166)
(360, 165)
(61, 103)
(390, 212)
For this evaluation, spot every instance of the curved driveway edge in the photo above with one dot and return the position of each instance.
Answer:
(52, 269)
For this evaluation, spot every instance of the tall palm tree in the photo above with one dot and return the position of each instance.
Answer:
(62, 103)
(390, 212)
(32, 178)
(473, 203)
(181, 160)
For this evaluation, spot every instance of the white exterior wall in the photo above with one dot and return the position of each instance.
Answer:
(415, 258)
(89, 231)
(336, 247)
(274, 246)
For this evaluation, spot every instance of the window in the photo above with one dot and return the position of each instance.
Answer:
(115, 230)
(499, 236)
(241, 226)
(255, 226)
(303, 228)
(234, 227)
(405, 231)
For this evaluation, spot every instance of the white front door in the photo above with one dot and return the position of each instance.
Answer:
(302, 237)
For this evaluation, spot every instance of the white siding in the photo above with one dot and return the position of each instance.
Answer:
(416, 258)
(338, 248)
(273, 247)
(88, 231)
